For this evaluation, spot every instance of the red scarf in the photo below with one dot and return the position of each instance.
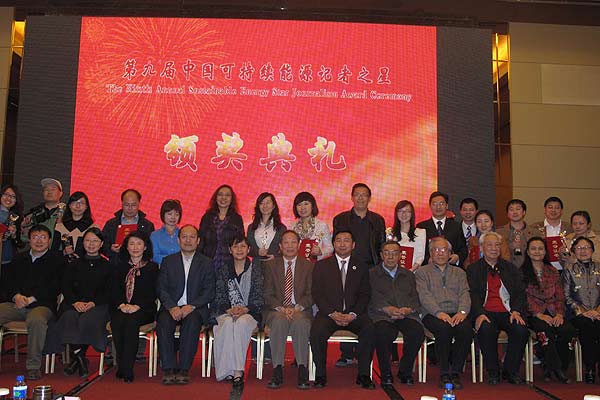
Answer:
(130, 278)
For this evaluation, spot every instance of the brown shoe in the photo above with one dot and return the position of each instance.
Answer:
(183, 377)
(33, 374)
(168, 377)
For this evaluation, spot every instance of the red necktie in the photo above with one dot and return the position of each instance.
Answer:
(289, 285)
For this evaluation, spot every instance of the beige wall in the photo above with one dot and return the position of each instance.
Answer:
(6, 29)
(555, 116)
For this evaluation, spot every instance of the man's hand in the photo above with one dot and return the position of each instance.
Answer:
(558, 320)
(516, 317)
(289, 312)
(457, 318)
(444, 317)
(315, 250)
(480, 321)
(80, 306)
(591, 314)
(454, 259)
(186, 310)
(176, 313)
(21, 301)
(337, 317)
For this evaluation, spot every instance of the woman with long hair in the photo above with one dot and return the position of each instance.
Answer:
(69, 229)
(407, 234)
(264, 233)
(11, 215)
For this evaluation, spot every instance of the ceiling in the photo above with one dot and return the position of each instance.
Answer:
(494, 14)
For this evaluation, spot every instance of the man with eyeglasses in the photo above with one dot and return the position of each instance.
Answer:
(129, 214)
(48, 212)
(498, 302)
(32, 285)
(440, 225)
(394, 308)
(445, 303)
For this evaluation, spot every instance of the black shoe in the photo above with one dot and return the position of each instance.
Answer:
(320, 382)
(547, 376)
(72, 367)
(119, 375)
(589, 376)
(277, 379)
(82, 364)
(444, 378)
(406, 379)
(303, 378)
(561, 377)
(513, 379)
(182, 377)
(365, 382)
(493, 378)
(456, 382)
(238, 381)
(128, 379)
(344, 362)
(387, 380)
(168, 377)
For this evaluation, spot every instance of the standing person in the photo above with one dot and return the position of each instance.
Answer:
(484, 220)
(368, 233)
(264, 233)
(581, 283)
(134, 298)
(546, 307)
(407, 234)
(468, 209)
(581, 222)
(165, 241)
(515, 232)
(46, 213)
(444, 296)
(498, 302)
(440, 225)
(310, 228)
(186, 285)
(32, 285)
(77, 218)
(553, 229)
(288, 307)
(219, 225)
(129, 214)
(340, 289)
(237, 308)
(394, 308)
(11, 215)
(83, 313)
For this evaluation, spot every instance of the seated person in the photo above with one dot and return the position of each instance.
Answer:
(498, 302)
(186, 284)
(340, 289)
(394, 307)
(237, 308)
(288, 307)
(32, 284)
(445, 302)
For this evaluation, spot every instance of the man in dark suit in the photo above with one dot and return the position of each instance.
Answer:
(440, 225)
(340, 289)
(288, 307)
(186, 285)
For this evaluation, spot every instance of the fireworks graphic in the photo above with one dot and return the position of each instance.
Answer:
(136, 55)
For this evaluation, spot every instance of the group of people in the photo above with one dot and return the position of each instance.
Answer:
(453, 280)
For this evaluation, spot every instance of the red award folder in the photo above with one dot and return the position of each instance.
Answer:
(306, 247)
(3, 228)
(474, 254)
(553, 245)
(123, 231)
(406, 256)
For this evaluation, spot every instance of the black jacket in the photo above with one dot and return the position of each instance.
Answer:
(342, 222)
(208, 232)
(512, 280)
(110, 231)
(452, 232)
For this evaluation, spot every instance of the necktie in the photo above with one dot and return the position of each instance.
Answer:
(289, 285)
(343, 271)
(439, 228)
(469, 234)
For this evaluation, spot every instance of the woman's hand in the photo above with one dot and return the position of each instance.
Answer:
(316, 250)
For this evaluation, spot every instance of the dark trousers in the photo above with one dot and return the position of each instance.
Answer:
(322, 329)
(488, 341)
(556, 350)
(125, 330)
(589, 337)
(386, 332)
(189, 334)
(451, 356)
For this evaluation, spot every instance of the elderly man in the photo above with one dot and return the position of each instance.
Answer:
(32, 284)
(129, 214)
(394, 307)
(498, 302)
(445, 302)
(186, 285)
(440, 225)
(46, 213)
(288, 305)
(340, 288)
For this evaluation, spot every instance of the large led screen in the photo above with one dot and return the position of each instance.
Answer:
(176, 107)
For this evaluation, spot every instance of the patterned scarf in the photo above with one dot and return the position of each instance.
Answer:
(130, 278)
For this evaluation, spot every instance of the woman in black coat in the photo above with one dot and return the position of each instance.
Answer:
(133, 299)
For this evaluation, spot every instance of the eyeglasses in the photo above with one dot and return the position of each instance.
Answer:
(10, 196)
(438, 203)
(441, 250)
(38, 237)
(583, 247)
